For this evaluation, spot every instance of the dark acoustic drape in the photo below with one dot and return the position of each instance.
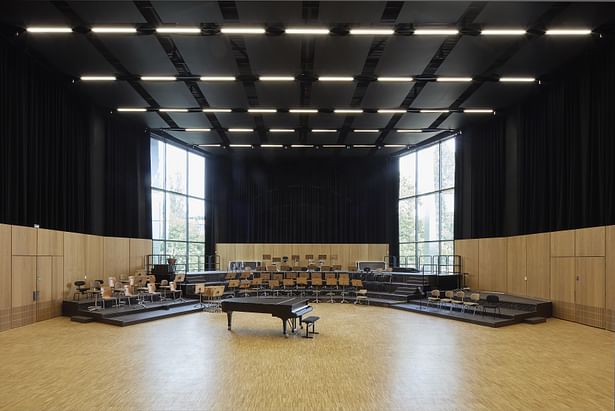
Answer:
(65, 164)
(560, 143)
(305, 200)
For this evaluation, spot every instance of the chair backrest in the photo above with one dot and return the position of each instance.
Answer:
(357, 283)
(272, 268)
(331, 281)
(179, 278)
(230, 276)
(127, 291)
(257, 281)
(362, 292)
(312, 267)
(329, 275)
(325, 268)
(291, 274)
(435, 293)
(218, 291)
(460, 295)
(493, 298)
(304, 274)
(336, 267)
(278, 276)
(173, 286)
(233, 283)
(344, 281)
(245, 284)
(106, 292)
(245, 274)
(302, 281)
(151, 288)
(288, 282)
(111, 281)
(151, 278)
(274, 283)
(285, 268)
(199, 288)
(475, 297)
(449, 294)
(266, 276)
(164, 282)
(317, 281)
(131, 280)
(341, 275)
(118, 285)
(316, 275)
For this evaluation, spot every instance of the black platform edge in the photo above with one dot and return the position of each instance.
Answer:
(82, 319)
(152, 315)
(478, 318)
(535, 320)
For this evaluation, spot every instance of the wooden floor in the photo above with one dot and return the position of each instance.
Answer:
(366, 358)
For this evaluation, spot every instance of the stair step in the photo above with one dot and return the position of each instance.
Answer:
(534, 320)
(81, 319)
(145, 316)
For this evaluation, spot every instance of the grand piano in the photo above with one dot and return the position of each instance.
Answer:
(285, 308)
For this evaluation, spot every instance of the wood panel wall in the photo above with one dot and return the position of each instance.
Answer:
(347, 254)
(44, 264)
(575, 269)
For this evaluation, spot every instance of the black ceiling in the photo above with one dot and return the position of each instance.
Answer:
(247, 56)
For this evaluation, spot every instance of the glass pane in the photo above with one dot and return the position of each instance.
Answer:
(447, 163)
(177, 250)
(157, 214)
(176, 217)
(407, 175)
(196, 175)
(407, 255)
(428, 249)
(157, 162)
(158, 248)
(406, 220)
(427, 218)
(447, 204)
(428, 169)
(196, 220)
(446, 248)
(176, 169)
(196, 257)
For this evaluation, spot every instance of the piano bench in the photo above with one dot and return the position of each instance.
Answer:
(310, 321)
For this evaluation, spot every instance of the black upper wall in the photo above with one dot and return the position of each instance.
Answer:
(64, 163)
(548, 164)
(304, 200)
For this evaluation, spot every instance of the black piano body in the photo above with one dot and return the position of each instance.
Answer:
(285, 308)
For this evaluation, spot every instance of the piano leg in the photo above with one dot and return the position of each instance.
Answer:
(229, 317)
(284, 328)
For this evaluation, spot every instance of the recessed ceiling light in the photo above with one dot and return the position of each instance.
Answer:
(217, 110)
(436, 32)
(217, 78)
(347, 111)
(334, 146)
(178, 30)
(324, 130)
(174, 110)
(335, 78)
(262, 110)
(306, 30)
(281, 130)
(209, 145)
(409, 130)
(131, 109)
(276, 78)
(240, 130)
(518, 79)
(381, 32)
(568, 32)
(433, 111)
(503, 32)
(242, 30)
(98, 78)
(158, 78)
(302, 146)
(477, 110)
(303, 110)
(114, 29)
(197, 129)
(391, 111)
(365, 130)
(395, 79)
(240, 145)
(49, 30)
(454, 79)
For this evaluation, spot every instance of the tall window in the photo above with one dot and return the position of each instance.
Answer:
(178, 204)
(426, 202)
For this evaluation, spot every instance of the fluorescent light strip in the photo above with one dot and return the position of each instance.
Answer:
(392, 111)
(365, 130)
(210, 145)
(301, 30)
(302, 146)
(158, 78)
(218, 78)
(409, 130)
(262, 110)
(242, 30)
(347, 111)
(568, 32)
(503, 32)
(436, 32)
(217, 110)
(303, 110)
(197, 129)
(272, 146)
(433, 111)
(281, 130)
(49, 30)
(276, 78)
(114, 29)
(173, 110)
(478, 110)
(324, 130)
(178, 30)
(454, 79)
(98, 78)
(517, 79)
(396, 79)
(131, 109)
(380, 32)
(395, 146)
(334, 146)
(240, 130)
(240, 145)
(364, 145)
(335, 78)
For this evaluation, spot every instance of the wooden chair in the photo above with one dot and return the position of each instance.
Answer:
(289, 286)
(106, 294)
(331, 286)
(302, 283)
(151, 291)
(336, 267)
(474, 299)
(257, 285)
(233, 285)
(329, 275)
(316, 286)
(278, 276)
(325, 268)
(448, 298)
(174, 290)
(244, 287)
(245, 275)
(230, 276)
(435, 298)
(272, 268)
(361, 297)
(266, 276)
(344, 281)
(274, 287)
(458, 300)
(291, 274)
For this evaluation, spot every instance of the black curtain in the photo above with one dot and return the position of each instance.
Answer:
(304, 200)
(64, 164)
(560, 144)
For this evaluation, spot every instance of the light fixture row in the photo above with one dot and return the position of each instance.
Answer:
(213, 29)
(314, 146)
(313, 130)
(304, 77)
(310, 110)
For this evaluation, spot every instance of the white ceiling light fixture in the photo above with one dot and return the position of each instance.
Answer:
(409, 130)
(392, 111)
(276, 78)
(210, 145)
(372, 32)
(217, 110)
(364, 145)
(347, 111)
(302, 145)
(517, 79)
(178, 30)
(98, 78)
(303, 110)
(262, 110)
(433, 111)
(240, 145)
(173, 110)
(132, 109)
(478, 110)
(218, 78)
(240, 130)
(436, 32)
(395, 146)
(503, 32)
(366, 130)
(281, 130)
(334, 146)
(272, 146)
(454, 79)
(242, 30)
(568, 32)
(114, 30)
(50, 30)
(196, 130)
(396, 79)
(324, 130)
(335, 78)
(158, 78)
(306, 30)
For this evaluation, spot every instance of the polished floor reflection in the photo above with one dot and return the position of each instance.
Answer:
(366, 358)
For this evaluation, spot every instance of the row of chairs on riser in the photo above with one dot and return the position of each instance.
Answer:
(248, 275)
(458, 299)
